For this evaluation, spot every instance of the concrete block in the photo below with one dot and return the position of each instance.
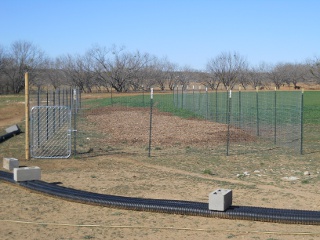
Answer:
(10, 163)
(26, 174)
(13, 128)
(220, 200)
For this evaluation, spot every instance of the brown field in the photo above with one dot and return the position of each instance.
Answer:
(175, 171)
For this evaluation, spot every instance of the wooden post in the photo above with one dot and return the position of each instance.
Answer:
(26, 83)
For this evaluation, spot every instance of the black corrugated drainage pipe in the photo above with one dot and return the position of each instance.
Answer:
(170, 206)
(8, 135)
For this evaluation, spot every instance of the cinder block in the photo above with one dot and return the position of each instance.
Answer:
(13, 128)
(220, 200)
(26, 174)
(10, 163)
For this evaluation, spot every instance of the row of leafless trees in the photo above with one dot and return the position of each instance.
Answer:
(230, 69)
(121, 70)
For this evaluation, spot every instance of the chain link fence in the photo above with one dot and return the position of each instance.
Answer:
(186, 119)
(311, 122)
(53, 122)
(256, 120)
(50, 132)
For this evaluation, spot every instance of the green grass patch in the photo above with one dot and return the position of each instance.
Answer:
(271, 105)
(162, 102)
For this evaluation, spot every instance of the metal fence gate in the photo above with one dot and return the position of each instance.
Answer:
(50, 132)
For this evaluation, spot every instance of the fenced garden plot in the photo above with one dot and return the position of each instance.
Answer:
(216, 123)
(201, 126)
(261, 120)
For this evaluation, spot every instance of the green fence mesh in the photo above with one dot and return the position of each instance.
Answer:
(311, 122)
(253, 121)
(193, 119)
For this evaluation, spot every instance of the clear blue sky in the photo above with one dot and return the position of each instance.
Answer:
(187, 32)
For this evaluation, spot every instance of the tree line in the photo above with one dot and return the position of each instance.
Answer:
(116, 68)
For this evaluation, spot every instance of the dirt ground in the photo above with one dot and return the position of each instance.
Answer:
(11, 114)
(131, 127)
(181, 175)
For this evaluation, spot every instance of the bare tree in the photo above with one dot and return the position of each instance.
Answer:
(171, 75)
(2, 58)
(147, 74)
(54, 74)
(168, 75)
(3, 82)
(287, 73)
(295, 73)
(119, 69)
(22, 57)
(184, 76)
(79, 71)
(315, 69)
(258, 77)
(278, 76)
(211, 81)
(122, 69)
(243, 78)
(255, 79)
(226, 69)
(161, 73)
(100, 57)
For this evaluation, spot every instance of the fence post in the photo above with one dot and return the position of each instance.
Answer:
(216, 97)
(227, 106)
(187, 98)
(27, 116)
(240, 108)
(199, 102)
(193, 105)
(38, 96)
(207, 109)
(80, 99)
(275, 115)
(66, 95)
(63, 97)
(73, 100)
(228, 120)
(257, 106)
(150, 128)
(181, 96)
(38, 113)
(301, 121)
(177, 96)
(174, 96)
(70, 99)
(143, 104)
(47, 114)
(54, 110)
(111, 99)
